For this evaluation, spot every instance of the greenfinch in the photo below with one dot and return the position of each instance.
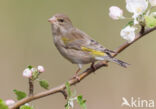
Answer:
(76, 46)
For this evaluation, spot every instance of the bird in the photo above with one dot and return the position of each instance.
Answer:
(77, 46)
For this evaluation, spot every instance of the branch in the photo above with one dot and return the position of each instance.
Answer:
(64, 93)
(62, 87)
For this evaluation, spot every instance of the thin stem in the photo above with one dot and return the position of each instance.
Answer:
(31, 87)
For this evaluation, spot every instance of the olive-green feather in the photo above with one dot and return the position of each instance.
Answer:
(94, 52)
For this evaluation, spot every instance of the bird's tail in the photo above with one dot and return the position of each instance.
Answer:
(121, 63)
(111, 59)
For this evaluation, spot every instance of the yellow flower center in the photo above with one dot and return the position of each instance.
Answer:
(139, 10)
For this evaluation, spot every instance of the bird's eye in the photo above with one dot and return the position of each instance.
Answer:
(60, 20)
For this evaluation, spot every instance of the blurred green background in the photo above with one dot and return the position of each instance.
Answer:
(25, 39)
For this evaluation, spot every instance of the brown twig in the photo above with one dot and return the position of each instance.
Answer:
(64, 93)
(31, 87)
(83, 75)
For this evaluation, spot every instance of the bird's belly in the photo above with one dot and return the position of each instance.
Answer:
(75, 56)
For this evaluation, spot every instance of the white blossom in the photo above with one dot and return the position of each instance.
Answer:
(27, 73)
(40, 68)
(137, 7)
(115, 13)
(71, 103)
(27, 104)
(153, 14)
(152, 2)
(9, 102)
(128, 33)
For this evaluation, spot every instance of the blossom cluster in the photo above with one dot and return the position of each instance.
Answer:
(141, 16)
(28, 72)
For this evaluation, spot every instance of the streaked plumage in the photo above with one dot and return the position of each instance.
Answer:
(77, 46)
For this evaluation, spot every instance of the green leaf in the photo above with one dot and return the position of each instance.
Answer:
(68, 89)
(81, 102)
(44, 84)
(26, 107)
(30, 67)
(3, 105)
(20, 95)
(150, 21)
(130, 23)
(67, 106)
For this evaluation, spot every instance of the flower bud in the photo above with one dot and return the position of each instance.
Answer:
(27, 73)
(9, 102)
(40, 69)
(115, 13)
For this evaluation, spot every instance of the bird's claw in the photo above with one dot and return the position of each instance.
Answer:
(93, 67)
(76, 77)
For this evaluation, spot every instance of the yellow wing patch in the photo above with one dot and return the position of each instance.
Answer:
(94, 52)
(66, 40)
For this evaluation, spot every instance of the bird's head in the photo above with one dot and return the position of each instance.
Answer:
(60, 21)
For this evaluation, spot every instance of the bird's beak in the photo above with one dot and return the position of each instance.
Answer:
(52, 20)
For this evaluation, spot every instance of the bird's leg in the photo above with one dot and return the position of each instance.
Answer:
(93, 66)
(76, 73)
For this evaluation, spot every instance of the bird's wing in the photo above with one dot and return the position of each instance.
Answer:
(79, 40)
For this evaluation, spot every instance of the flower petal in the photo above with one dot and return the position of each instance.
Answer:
(128, 33)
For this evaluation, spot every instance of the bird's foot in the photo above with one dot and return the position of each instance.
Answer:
(93, 67)
(76, 77)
